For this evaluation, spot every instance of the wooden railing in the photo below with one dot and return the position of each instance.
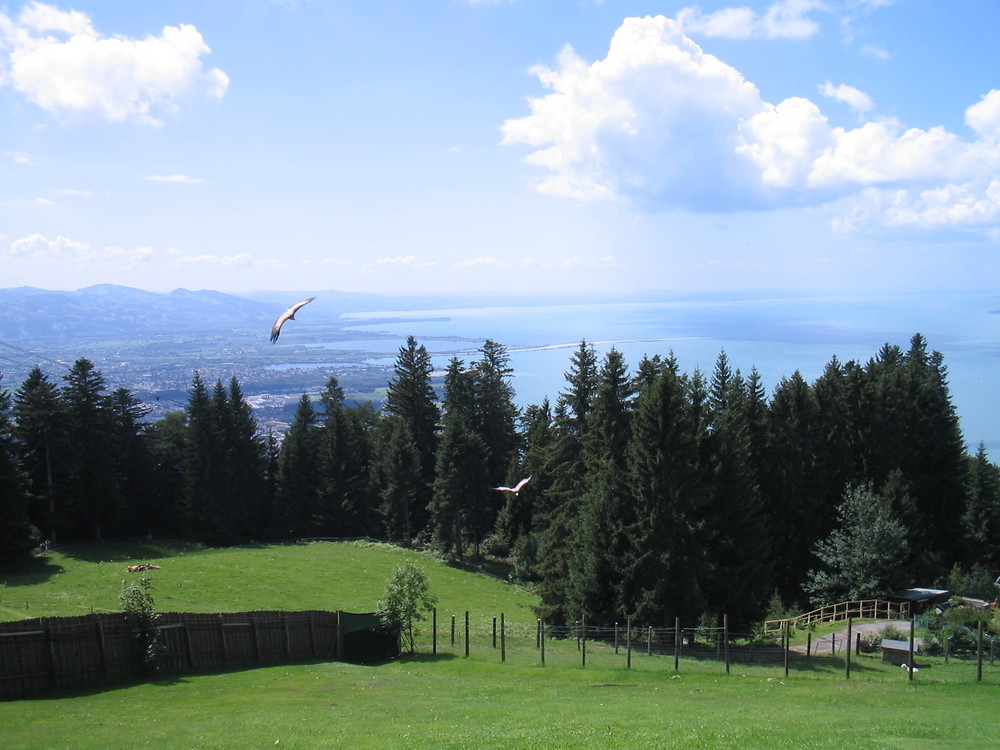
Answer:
(871, 609)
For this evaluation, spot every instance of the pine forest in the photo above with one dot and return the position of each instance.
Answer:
(653, 493)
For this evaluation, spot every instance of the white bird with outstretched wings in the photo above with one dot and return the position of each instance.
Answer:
(288, 314)
(516, 488)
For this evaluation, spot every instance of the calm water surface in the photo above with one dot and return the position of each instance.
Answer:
(776, 335)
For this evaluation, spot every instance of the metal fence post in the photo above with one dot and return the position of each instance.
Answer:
(503, 640)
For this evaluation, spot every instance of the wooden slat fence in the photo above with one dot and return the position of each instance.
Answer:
(53, 653)
(875, 609)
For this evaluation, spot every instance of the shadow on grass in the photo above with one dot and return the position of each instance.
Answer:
(171, 678)
(420, 658)
(499, 569)
(29, 571)
(126, 550)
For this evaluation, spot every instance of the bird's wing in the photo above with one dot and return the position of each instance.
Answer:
(520, 485)
(504, 489)
(288, 314)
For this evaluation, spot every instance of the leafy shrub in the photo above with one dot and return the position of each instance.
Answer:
(138, 606)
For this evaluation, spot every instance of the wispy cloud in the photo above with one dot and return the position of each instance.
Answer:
(859, 102)
(785, 19)
(214, 261)
(18, 157)
(176, 178)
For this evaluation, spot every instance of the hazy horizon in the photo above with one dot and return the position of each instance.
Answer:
(491, 145)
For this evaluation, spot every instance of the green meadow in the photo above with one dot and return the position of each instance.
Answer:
(448, 700)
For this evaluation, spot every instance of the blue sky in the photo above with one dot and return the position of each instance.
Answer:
(545, 146)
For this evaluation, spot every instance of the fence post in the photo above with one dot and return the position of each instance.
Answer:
(503, 640)
(583, 634)
(913, 624)
(434, 630)
(466, 633)
(541, 637)
(979, 653)
(677, 643)
(809, 643)
(847, 649)
(788, 646)
(494, 632)
(628, 642)
(453, 631)
(103, 648)
(649, 640)
(833, 644)
(340, 638)
(256, 635)
(725, 639)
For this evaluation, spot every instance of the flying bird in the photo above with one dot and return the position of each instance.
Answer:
(516, 488)
(288, 314)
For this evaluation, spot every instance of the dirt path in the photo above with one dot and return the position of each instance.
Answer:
(827, 643)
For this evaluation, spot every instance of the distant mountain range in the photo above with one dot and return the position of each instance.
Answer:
(107, 311)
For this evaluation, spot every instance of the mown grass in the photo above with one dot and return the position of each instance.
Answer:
(449, 701)
(348, 576)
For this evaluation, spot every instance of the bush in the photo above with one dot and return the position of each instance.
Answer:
(406, 599)
(137, 603)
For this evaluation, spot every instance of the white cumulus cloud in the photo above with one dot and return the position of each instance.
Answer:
(661, 123)
(62, 64)
(39, 247)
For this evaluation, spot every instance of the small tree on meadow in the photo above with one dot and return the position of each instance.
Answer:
(137, 603)
(406, 601)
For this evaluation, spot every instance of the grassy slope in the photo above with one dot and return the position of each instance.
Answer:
(449, 701)
(321, 575)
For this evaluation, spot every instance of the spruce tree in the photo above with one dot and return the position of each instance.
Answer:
(981, 518)
(738, 534)
(460, 488)
(93, 479)
(204, 457)
(791, 488)
(15, 536)
(495, 415)
(247, 493)
(667, 570)
(607, 510)
(130, 446)
(398, 479)
(297, 510)
(410, 396)
(166, 507)
(40, 432)
(933, 461)
(523, 515)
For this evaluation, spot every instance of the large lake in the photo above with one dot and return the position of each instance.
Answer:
(777, 335)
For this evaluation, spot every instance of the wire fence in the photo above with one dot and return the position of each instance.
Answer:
(632, 646)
